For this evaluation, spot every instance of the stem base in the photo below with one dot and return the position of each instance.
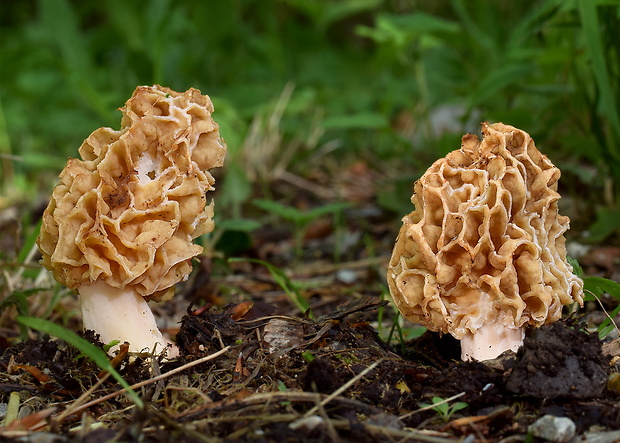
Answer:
(120, 314)
(490, 341)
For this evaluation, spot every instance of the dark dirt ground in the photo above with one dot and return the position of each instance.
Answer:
(277, 379)
(283, 376)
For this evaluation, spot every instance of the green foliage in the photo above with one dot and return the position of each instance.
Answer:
(19, 299)
(577, 269)
(327, 13)
(297, 216)
(606, 99)
(443, 408)
(239, 225)
(357, 67)
(281, 386)
(392, 83)
(237, 189)
(300, 219)
(594, 288)
(602, 50)
(110, 345)
(105, 347)
(91, 351)
(606, 223)
(290, 288)
(403, 334)
(307, 356)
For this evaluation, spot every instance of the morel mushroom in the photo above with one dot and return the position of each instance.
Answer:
(483, 254)
(120, 224)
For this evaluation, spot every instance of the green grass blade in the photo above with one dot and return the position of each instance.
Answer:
(532, 23)
(334, 11)
(61, 23)
(238, 224)
(294, 215)
(283, 281)
(492, 85)
(477, 33)
(607, 326)
(31, 239)
(83, 345)
(331, 208)
(594, 45)
(367, 120)
(286, 212)
(6, 162)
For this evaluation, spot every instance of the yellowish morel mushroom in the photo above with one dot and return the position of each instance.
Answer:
(120, 225)
(483, 255)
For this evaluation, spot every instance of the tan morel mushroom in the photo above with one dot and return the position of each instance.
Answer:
(120, 224)
(483, 254)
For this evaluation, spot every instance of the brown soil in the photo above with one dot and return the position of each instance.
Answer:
(287, 378)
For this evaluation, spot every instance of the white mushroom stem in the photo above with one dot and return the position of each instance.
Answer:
(123, 315)
(491, 340)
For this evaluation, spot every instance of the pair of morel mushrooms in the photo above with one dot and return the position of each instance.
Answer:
(481, 257)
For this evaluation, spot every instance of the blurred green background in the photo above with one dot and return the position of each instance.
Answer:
(306, 83)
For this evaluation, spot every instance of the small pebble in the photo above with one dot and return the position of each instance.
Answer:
(346, 276)
(552, 428)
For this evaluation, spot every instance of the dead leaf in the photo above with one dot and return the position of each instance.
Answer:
(30, 422)
(239, 311)
(118, 358)
(35, 372)
(281, 334)
(612, 348)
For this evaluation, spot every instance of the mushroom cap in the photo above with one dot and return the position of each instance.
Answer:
(485, 242)
(127, 211)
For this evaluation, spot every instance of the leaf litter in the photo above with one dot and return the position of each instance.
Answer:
(246, 372)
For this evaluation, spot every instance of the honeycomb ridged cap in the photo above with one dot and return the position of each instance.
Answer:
(485, 242)
(127, 212)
